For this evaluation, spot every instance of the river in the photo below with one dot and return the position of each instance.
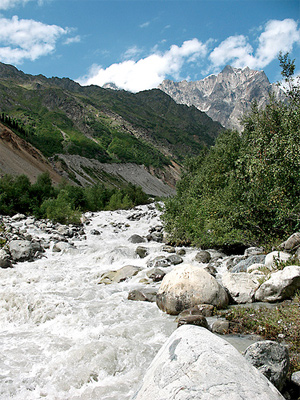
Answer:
(65, 336)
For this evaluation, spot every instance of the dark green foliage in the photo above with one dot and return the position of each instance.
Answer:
(64, 203)
(245, 189)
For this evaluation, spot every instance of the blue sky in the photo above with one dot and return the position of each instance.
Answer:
(136, 44)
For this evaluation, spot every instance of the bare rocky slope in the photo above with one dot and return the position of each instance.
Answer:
(225, 97)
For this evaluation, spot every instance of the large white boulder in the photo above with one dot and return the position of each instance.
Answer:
(281, 285)
(186, 286)
(195, 364)
(276, 256)
(241, 286)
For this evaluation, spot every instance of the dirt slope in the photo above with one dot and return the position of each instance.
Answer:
(18, 157)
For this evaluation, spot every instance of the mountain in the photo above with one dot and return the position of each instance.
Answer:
(71, 125)
(224, 97)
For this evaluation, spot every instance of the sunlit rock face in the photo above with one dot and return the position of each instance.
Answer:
(224, 97)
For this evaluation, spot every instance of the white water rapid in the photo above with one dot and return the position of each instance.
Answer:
(63, 335)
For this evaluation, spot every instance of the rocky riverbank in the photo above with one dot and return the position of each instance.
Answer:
(185, 281)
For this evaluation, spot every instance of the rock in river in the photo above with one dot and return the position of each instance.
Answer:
(195, 364)
(186, 286)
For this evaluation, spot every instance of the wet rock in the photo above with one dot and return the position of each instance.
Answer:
(186, 286)
(240, 286)
(95, 232)
(156, 274)
(22, 250)
(198, 320)
(195, 364)
(158, 262)
(215, 254)
(168, 249)
(211, 270)
(221, 327)
(181, 252)
(147, 294)
(141, 251)
(244, 264)
(136, 239)
(203, 256)
(281, 285)
(271, 359)
(276, 256)
(61, 246)
(120, 275)
(5, 261)
(155, 237)
(174, 259)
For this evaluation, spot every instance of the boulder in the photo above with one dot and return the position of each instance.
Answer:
(168, 249)
(186, 286)
(62, 246)
(18, 217)
(95, 232)
(200, 309)
(181, 252)
(198, 320)
(203, 256)
(295, 378)
(141, 251)
(147, 294)
(240, 286)
(244, 264)
(211, 269)
(221, 326)
(270, 358)
(136, 239)
(156, 274)
(174, 259)
(281, 285)
(119, 275)
(253, 251)
(158, 262)
(276, 256)
(292, 243)
(5, 261)
(195, 364)
(21, 250)
(255, 267)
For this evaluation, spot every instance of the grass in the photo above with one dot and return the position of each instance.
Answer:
(280, 324)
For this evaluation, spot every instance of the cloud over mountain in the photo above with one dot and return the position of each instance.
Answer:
(148, 72)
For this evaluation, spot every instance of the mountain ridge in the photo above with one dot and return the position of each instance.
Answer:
(225, 97)
(58, 116)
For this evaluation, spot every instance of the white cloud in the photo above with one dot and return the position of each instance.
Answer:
(6, 4)
(145, 24)
(75, 39)
(27, 39)
(147, 72)
(132, 52)
(277, 36)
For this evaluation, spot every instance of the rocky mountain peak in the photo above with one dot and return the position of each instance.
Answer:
(224, 97)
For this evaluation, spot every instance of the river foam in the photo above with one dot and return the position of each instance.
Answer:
(64, 336)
